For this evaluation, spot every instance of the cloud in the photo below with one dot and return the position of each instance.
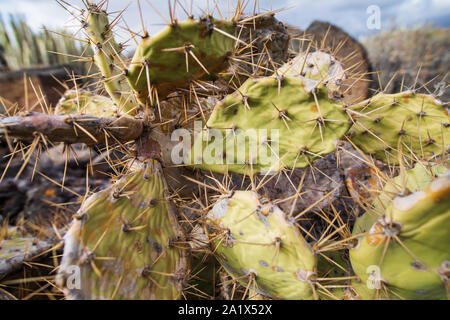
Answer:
(350, 14)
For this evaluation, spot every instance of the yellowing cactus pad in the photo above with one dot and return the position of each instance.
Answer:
(108, 57)
(260, 247)
(416, 123)
(267, 125)
(122, 244)
(404, 249)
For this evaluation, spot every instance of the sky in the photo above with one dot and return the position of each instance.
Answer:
(351, 15)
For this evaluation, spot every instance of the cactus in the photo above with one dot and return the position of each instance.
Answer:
(319, 66)
(71, 128)
(23, 48)
(274, 223)
(416, 124)
(257, 244)
(179, 54)
(108, 57)
(404, 245)
(85, 102)
(124, 240)
(306, 122)
(17, 249)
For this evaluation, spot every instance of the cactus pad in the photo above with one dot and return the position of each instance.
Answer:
(85, 102)
(303, 125)
(256, 243)
(319, 66)
(16, 249)
(417, 123)
(409, 237)
(122, 240)
(185, 51)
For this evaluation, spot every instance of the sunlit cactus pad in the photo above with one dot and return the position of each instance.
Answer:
(259, 246)
(85, 102)
(124, 242)
(407, 238)
(303, 124)
(415, 123)
(107, 55)
(319, 66)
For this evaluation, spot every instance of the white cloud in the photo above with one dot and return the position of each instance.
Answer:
(350, 14)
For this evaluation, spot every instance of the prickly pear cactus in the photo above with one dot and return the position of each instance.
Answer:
(16, 249)
(85, 102)
(185, 51)
(319, 66)
(415, 123)
(258, 245)
(196, 236)
(108, 56)
(306, 123)
(403, 246)
(124, 242)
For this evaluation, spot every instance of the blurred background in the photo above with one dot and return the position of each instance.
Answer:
(406, 41)
(350, 15)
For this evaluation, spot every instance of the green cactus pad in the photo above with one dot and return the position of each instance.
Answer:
(413, 180)
(286, 112)
(122, 240)
(413, 232)
(85, 102)
(108, 57)
(418, 123)
(254, 239)
(163, 56)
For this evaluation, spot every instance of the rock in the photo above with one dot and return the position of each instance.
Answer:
(403, 52)
(352, 54)
(270, 40)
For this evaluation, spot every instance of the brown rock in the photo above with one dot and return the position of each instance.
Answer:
(349, 52)
(270, 43)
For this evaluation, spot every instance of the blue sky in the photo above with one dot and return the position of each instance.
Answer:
(349, 14)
